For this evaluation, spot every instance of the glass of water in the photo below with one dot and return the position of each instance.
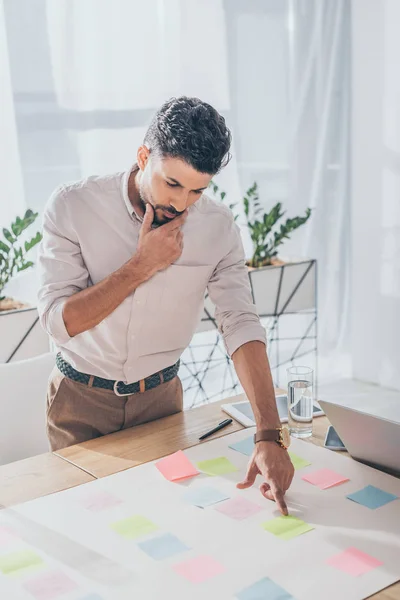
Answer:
(300, 401)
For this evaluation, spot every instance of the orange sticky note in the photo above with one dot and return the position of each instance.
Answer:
(176, 466)
(354, 562)
(324, 478)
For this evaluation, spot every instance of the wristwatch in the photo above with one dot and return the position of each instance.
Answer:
(279, 435)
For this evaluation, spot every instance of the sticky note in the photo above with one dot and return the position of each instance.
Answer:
(238, 508)
(372, 497)
(164, 546)
(134, 527)
(217, 466)
(98, 501)
(354, 562)
(7, 535)
(176, 466)
(265, 588)
(50, 585)
(205, 496)
(199, 569)
(245, 446)
(18, 561)
(325, 478)
(298, 462)
(287, 528)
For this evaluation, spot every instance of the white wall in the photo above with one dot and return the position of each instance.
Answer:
(376, 191)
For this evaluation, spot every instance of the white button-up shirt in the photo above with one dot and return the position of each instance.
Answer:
(90, 230)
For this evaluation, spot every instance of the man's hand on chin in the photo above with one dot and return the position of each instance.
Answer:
(272, 462)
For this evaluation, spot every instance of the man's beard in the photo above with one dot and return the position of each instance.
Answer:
(158, 220)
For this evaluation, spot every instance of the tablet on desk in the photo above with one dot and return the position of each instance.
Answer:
(243, 413)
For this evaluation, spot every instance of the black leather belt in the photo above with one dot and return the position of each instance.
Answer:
(119, 387)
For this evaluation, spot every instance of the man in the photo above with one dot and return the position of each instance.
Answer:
(125, 262)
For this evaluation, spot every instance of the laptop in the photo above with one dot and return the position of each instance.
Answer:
(370, 439)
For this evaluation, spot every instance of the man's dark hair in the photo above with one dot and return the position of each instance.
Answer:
(193, 131)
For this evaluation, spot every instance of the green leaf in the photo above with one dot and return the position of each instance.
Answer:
(35, 240)
(25, 266)
(16, 229)
(4, 247)
(8, 236)
(223, 194)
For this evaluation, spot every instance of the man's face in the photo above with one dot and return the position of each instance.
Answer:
(170, 185)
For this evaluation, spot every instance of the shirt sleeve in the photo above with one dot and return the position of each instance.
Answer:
(61, 268)
(229, 290)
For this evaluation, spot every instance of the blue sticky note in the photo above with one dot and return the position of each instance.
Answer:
(265, 588)
(205, 496)
(163, 546)
(372, 497)
(245, 446)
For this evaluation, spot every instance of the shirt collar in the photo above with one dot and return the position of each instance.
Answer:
(128, 204)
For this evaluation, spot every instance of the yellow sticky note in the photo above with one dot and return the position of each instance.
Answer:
(14, 562)
(217, 466)
(298, 462)
(134, 527)
(287, 528)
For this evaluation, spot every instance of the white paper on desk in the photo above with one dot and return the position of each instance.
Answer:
(62, 529)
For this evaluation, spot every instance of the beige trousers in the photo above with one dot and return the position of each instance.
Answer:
(77, 413)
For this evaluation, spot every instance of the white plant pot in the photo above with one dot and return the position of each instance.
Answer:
(21, 335)
(284, 289)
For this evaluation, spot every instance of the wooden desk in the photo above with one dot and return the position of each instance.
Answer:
(131, 447)
(38, 476)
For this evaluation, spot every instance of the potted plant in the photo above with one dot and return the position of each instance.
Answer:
(20, 333)
(278, 284)
(13, 256)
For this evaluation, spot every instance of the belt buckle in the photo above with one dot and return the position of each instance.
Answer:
(116, 392)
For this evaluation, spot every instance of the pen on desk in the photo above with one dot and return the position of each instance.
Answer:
(217, 428)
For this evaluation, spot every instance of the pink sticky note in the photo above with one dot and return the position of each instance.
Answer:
(238, 508)
(49, 586)
(176, 466)
(199, 569)
(354, 562)
(6, 535)
(97, 501)
(324, 478)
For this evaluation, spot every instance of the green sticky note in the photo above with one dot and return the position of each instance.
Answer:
(287, 528)
(14, 562)
(217, 466)
(298, 462)
(134, 527)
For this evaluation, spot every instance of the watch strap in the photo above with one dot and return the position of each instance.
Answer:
(267, 435)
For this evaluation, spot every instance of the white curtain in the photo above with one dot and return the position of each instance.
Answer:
(12, 201)
(318, 139)
(130, 54)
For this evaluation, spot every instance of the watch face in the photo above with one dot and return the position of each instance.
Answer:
(286, 436)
